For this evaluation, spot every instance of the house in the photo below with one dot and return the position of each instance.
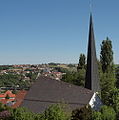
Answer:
(46, 91)
(7, 98)
(19, 98)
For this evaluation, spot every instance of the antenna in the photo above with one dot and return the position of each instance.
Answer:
(90, 6)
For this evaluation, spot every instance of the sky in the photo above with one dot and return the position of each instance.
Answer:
(43, 31)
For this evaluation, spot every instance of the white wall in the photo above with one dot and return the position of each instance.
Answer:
(95, 102)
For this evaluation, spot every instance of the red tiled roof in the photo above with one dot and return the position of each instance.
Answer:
(9, 93)
(3, 96)
(5, 101)
(19, 98)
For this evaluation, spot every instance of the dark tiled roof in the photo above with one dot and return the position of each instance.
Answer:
(46, 91)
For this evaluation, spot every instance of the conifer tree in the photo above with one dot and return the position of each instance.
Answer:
(82, 62)
(106, 55)
(108, 76)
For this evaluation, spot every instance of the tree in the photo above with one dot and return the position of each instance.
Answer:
(106, 55)
(82, 62)
(21, 114)
(56, 112)
(96, 115)
(107, 77)
(84, 113)
(80, 78)
(105, 113)
(71, 65)
(117, 77)
(32, 76)
(76, 78)
(108, 113)
(107, 84)
(60, 69)
(114, 100)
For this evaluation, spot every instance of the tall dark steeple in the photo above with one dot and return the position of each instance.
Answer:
(92, 79)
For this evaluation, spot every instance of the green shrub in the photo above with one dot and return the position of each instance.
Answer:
(96, 116)
(56, 112)
(85, 113)
(21, 114)
(108, 113)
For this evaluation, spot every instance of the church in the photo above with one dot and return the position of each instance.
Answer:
(46, 91)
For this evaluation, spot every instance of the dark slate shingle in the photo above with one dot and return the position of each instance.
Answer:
(46, 91)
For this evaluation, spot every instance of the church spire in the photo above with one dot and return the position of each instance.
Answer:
(92, 79)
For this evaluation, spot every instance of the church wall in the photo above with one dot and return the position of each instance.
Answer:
(95, 102)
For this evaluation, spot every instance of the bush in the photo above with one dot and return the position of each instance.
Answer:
(96, 116)
(21, 114)
(105, 113)
(108, 113)
(76, 78)
(56, 112)
(85, 113)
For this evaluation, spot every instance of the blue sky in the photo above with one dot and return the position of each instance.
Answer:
(42, 31)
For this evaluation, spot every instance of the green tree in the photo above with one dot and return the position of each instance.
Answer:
(108, 113)
(32, 76)
(71, 65)
(107, 84)
(3, 107)
(114, 100)
(105, 113)
(84, 113)
(96, 115)
(56, 112)
(107, 76)
(80, 78)
(82, 62)
(76, 78)
(21, 114)
(106, 55)
(117, 76)
(60, 69)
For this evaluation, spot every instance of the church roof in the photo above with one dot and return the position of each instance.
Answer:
(92, 79)
(46, 91)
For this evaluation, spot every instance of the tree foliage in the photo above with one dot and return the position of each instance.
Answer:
(105, 113)
(113, 100)
(106, 55)
(82, 62)
(76, 78)
(107, 84)
(71, 65)
(117, 76)
(55, 112)
(108, 113)
(32, 76)
(12, 80)
(6, 67)
(60, 69)
(107, 77)
(96, 115)
(21, 114)
(84, 113)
